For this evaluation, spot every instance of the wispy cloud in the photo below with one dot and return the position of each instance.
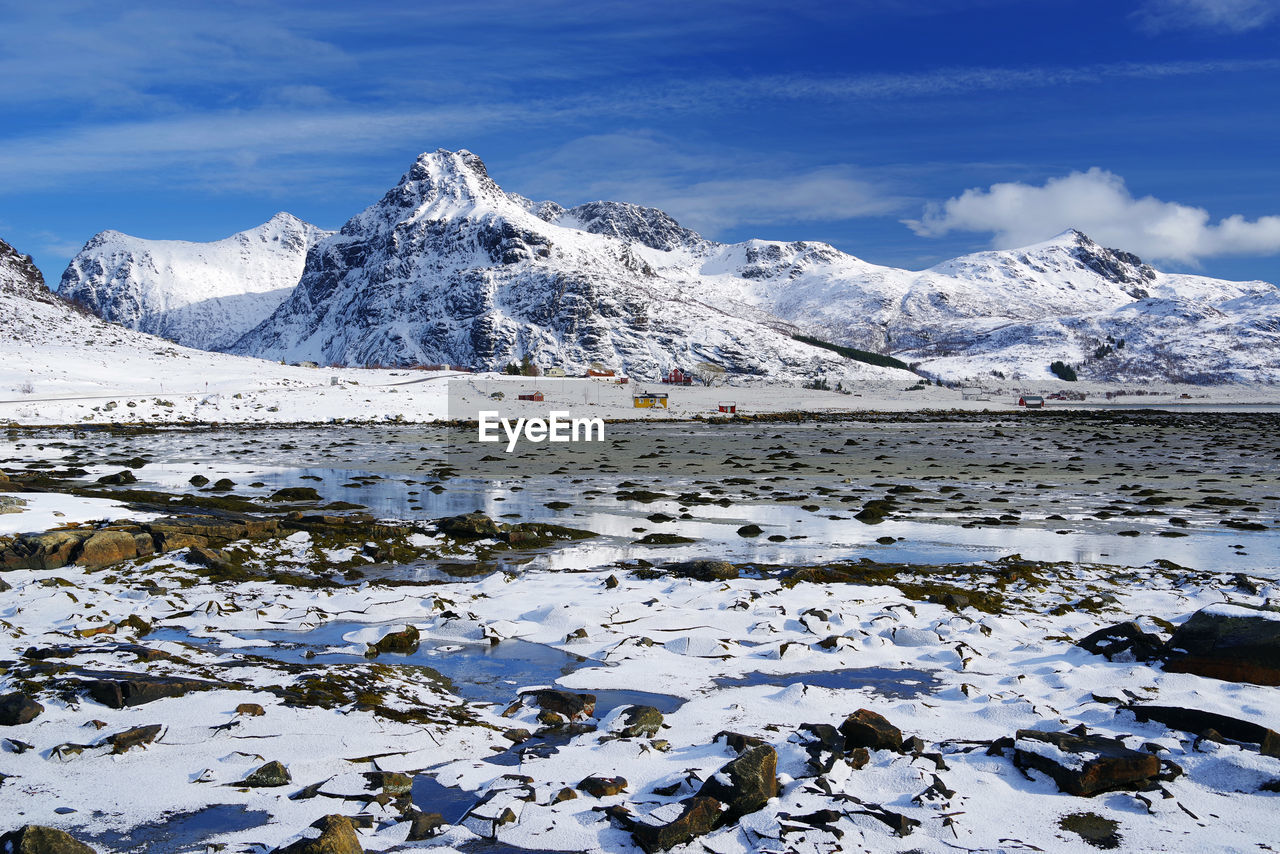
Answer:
(1098, 203)
(1224, 16)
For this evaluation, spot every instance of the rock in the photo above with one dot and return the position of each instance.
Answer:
(1198, 722)
(737, 741)
(51, 550)
(35, 839)
(611, 583)
(404, 641)
(391, 782)
(268, 776)
(119, 690)
(703, 570)
(198, 480)
(751, 530)
(118, 479)
(139, 736)
(1123, 642)
(294, 494)
(104, 548)
(207, 557)
(746, 784)
(337, 836)
(1084, 765)
(865, 728)
(824, 744)
(517, 735)
(471, 526)
(566, 704)
(1092, 828)
(223, 485)
(602, 787)
(423, 825)
(1234, 643)
(699, 815)
(565, 794)
(17, 708)
(640, 721)
(250, 710)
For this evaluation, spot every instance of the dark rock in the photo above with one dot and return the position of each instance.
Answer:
(865, 728)
(703, 570)
(207, 557)
(118, 479)
(294, 494)
(699, 815)
(660, 539)
(1196, 721)
(119, 690)
(1097, 764)
(223, 485)
(746, 784)
(1123, 642)
(566, 704)
(337, 836)
(751, 530)
(139, 736)
(423, 825)
(1230, 642)
(517, 735)
(404, 641)
(391, 782)
(17, 708)
(35, 839)
(737, 741)
(565, 794)
(611, 583)
(640, 721)
(602, 787)
(270, 775)
(824, 744)
(198, 480)
(471, 526)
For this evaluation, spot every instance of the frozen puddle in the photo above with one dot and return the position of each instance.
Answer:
(895, 683)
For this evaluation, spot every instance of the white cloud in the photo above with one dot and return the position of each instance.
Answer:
(1098, 203)
(1231, 16)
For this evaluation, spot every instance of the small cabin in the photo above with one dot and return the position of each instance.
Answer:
(649, 400)
(600, 372)
(727, 406)
(678, 377)
(555, 372)
(973, 392)
(1031, 401)
(534, 396)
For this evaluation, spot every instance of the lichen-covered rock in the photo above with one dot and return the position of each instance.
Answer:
(1230, 642)
(270, 775)
(746, 784)
(404, 641)
(337, 836)
(104, 548)
(37, 839)
(1123, 642)
(865, 728)
(698, 816)
(602, 787)
(565, 703)
(470, 526)
(640, 721)
(1084, 765)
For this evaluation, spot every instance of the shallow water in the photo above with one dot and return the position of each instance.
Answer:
(176, 832)
(897, 683)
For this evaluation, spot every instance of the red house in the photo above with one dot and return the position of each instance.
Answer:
(537, 395)
(678, 377)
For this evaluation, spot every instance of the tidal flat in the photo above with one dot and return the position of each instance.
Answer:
(911, 632)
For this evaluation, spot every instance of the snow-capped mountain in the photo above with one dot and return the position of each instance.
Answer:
(204, 295)
(448, 268)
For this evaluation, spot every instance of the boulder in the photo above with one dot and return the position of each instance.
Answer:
(698, 816)
(120, 478)
(119, 689)
(209, 558)
(470, 526)
(640, 721)
(270, 775)
(865, 728)
(104, 548)
(1084, 765)
(565, 703)
(423, 825)
(824, 744)
(602, 787)
(745, 784)
(391, 782)
(1123, 642)
(1197, 722)
(404, 641)
(703, 570)
(51, 550)
(337, 836)
(1234, 643)
(295, 494)
(251, 710)
(35, 839)
(139, 736)
(17, 708)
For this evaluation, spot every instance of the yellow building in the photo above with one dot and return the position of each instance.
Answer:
(649, 400)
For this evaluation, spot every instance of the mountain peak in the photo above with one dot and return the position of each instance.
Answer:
(19, 274)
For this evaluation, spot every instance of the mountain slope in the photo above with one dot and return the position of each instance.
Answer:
(203, 295)
(448, 268)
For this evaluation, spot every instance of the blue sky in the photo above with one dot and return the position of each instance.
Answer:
(902, 131)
